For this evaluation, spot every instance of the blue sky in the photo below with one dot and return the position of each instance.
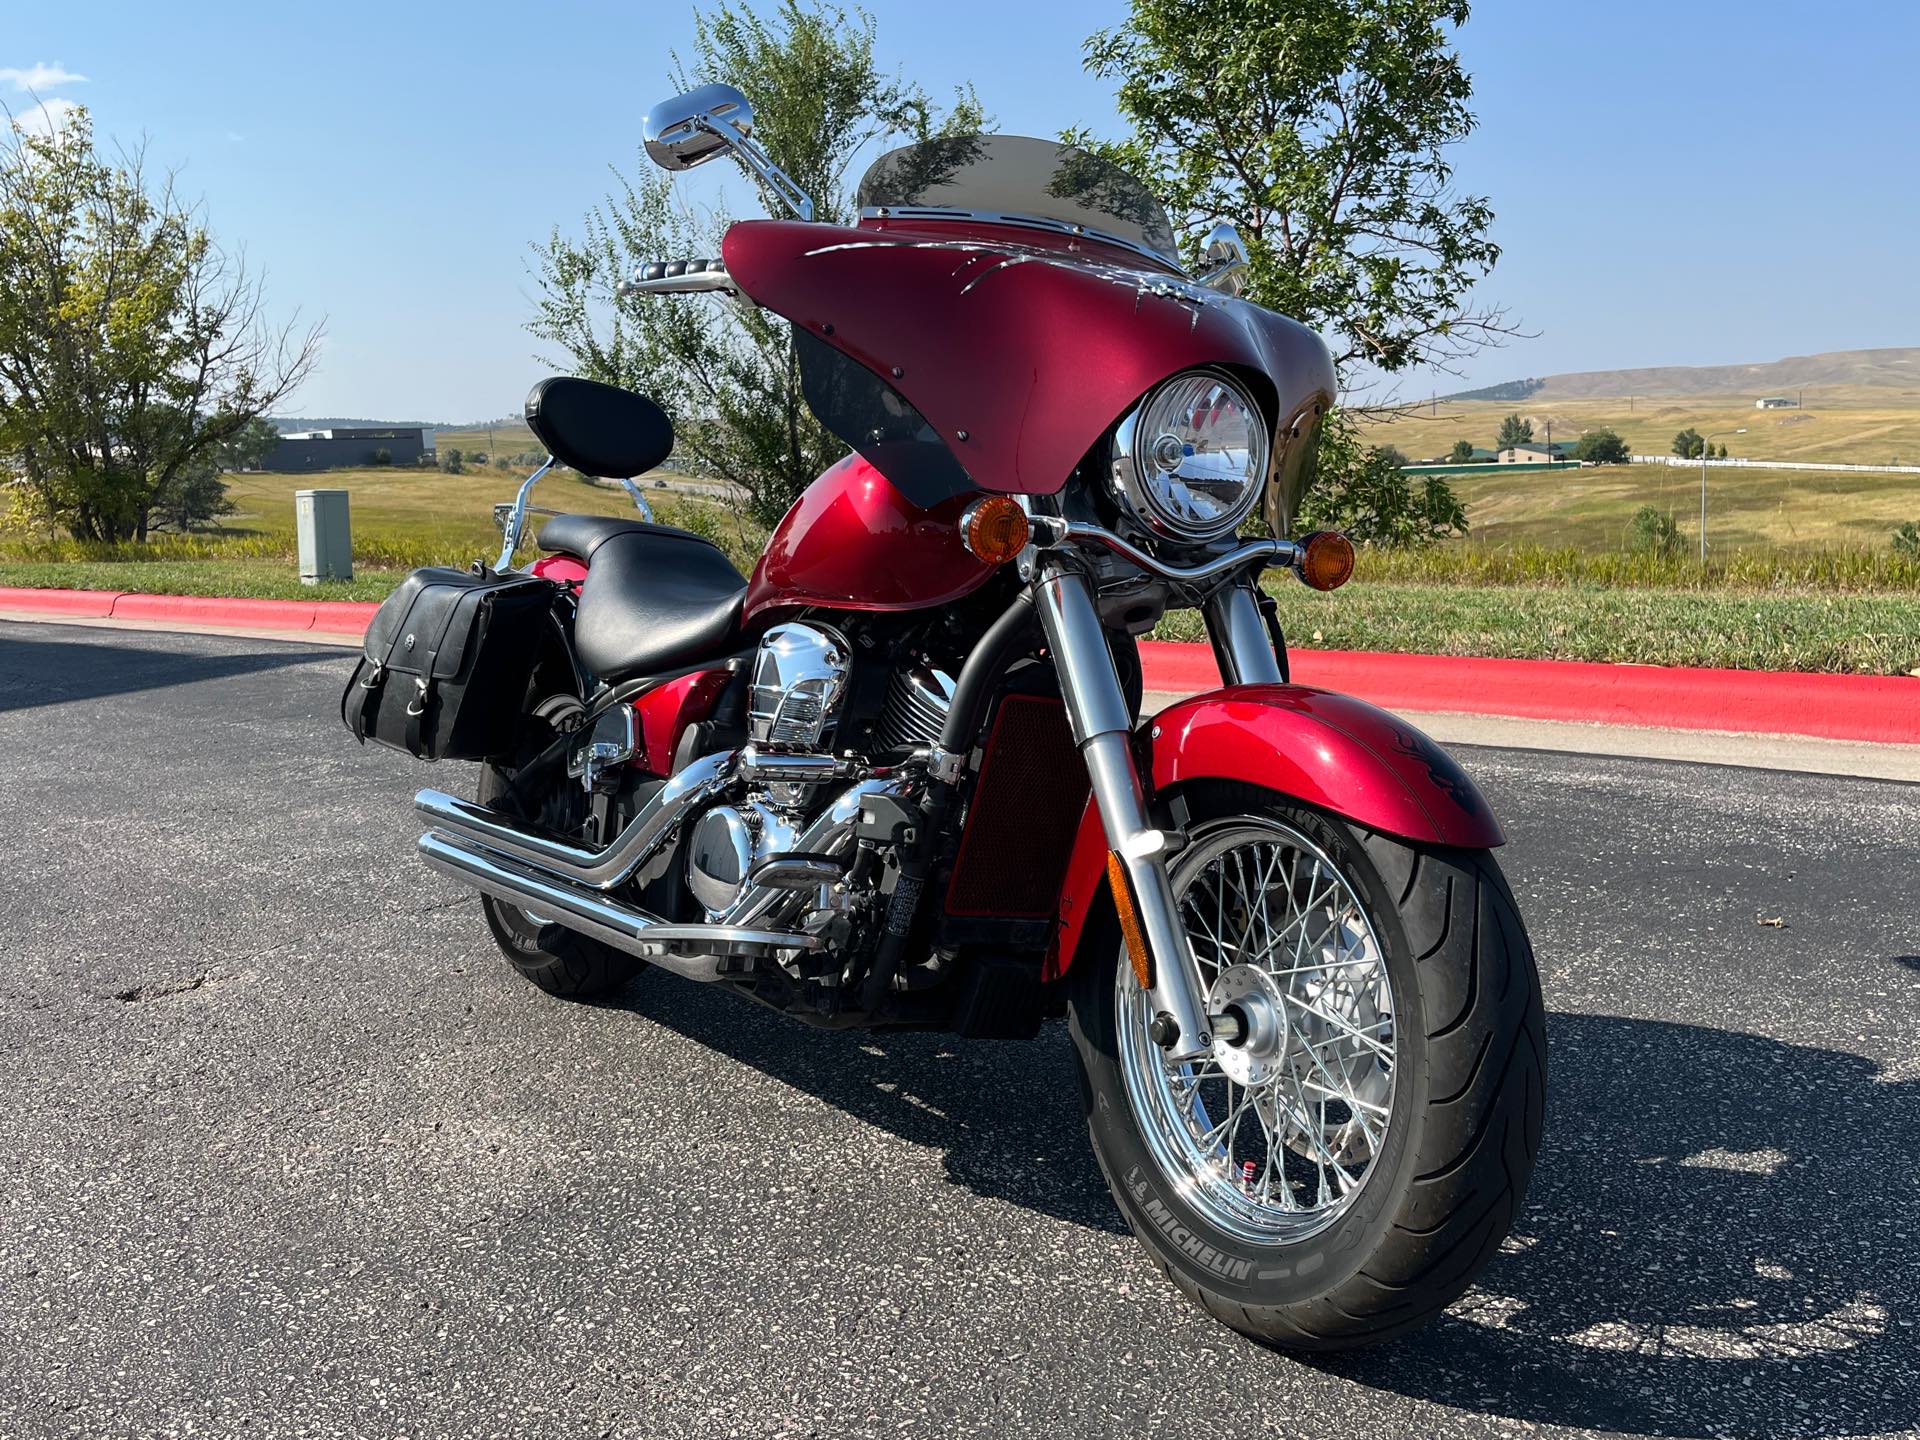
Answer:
(1677, 183)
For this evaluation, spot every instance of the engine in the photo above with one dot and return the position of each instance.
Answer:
(794, 703)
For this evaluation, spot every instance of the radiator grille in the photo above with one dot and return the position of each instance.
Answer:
(1026, 811)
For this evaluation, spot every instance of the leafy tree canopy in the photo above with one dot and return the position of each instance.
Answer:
(1320, 129)
(729, 376)
(1514, 431)
(1602, 446)
(1363, 492)
(132, 349)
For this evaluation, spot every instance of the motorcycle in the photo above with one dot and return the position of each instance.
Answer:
(902, 774)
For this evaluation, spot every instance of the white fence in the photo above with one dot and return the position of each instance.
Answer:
(1736, 461)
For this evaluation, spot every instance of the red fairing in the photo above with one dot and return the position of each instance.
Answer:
(1019, 352)
(561, 569)
(854, 542)
(1330, 751)
(667, 711)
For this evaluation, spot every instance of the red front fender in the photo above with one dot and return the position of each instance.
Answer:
(1327, 750)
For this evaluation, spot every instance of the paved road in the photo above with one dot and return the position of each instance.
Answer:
(287, 1151)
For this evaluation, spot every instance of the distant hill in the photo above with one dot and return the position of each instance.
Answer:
(1892, 369)
(284, 423)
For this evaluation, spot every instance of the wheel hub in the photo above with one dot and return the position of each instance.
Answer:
(1259, 1053)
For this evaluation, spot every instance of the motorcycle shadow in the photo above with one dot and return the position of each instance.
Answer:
(1005, 1114)
(1720, 1240)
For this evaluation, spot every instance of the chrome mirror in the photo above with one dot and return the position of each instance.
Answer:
(1226, 256)
(691, 129)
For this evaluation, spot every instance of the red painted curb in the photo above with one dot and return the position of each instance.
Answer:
(197, 610)
(330, 617)
(92, 604)
(1877, 708)
(1880, 708)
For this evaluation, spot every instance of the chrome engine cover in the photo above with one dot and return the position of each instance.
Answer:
(724, 845)
(798, 679)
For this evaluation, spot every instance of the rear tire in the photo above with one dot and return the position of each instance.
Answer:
(560, 961)
(1456, 1092)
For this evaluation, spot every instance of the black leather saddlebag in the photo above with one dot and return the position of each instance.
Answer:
(448, 659)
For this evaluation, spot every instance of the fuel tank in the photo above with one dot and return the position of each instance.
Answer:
(853, 541)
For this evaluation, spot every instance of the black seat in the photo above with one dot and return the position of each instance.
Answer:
(655, 598)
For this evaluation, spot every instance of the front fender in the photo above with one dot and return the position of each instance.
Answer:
(1327, 750)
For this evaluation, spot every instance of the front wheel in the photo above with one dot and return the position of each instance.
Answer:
(1339, 1171)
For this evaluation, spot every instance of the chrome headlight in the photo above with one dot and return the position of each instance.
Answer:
(1191, 458)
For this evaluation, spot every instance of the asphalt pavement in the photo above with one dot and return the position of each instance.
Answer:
(285, 1150)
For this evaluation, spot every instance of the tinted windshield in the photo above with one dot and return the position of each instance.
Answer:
(1009, 175)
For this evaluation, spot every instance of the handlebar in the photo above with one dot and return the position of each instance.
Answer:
(678, 277)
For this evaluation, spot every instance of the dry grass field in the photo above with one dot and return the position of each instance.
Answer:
(1856, 424)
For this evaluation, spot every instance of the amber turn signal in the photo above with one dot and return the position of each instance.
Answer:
(995, 529)
(1129, 921)
(1325, 561)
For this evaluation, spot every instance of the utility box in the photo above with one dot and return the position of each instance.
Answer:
(326, 537)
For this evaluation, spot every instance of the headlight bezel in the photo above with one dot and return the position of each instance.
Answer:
(1133, 475)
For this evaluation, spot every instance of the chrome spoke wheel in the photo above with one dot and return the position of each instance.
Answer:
(1272, 1135)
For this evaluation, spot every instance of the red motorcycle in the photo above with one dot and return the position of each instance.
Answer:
(901, 775)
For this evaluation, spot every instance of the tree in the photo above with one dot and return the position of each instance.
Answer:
(730, 376)
(1462, 453)
(1514, 431)
(251, 446)
(382, 456)
(132, 349)
(1603, 447)
(1368, 497)
(451, 460)
(1653, 532)
(1689, 445)
(1320, 129)
(1723, 450)
(191, 498)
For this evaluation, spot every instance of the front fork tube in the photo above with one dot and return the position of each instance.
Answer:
(1241, 642)
(1102, 723)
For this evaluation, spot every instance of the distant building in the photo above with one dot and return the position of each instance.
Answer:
(1534, 454)
(309, 450)
(1773, 402)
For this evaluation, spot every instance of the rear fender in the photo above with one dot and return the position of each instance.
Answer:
(1326, 750)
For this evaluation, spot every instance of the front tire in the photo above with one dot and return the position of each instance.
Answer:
(1340, 1174)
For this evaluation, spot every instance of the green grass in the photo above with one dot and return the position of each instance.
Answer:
(254, 579)
(1815, 606)
(1876, 634)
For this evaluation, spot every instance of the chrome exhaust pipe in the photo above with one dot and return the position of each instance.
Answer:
(597, 869)
(693, 952)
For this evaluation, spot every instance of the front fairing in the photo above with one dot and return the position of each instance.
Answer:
(1017, 349)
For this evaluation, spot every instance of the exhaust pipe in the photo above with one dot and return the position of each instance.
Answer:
(597, 869)
(693, 952)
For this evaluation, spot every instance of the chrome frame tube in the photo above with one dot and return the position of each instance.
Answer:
(1240, 637)
(517, 519)
(1101, 721)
